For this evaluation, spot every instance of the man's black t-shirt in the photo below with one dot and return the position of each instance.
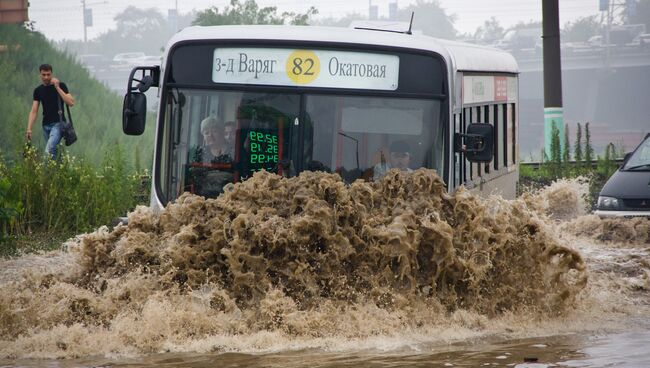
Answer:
(47, 96)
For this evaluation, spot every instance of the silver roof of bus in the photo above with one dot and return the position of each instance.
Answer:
(462, 56)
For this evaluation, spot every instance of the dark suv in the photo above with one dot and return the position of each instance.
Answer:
(627, 192)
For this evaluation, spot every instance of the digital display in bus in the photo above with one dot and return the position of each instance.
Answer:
(261, 146)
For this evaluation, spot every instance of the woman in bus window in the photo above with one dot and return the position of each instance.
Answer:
(218, 141)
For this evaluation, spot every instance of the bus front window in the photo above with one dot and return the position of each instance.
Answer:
(365, 137)
(219, 137)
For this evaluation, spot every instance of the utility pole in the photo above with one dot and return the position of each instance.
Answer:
(88, 17)
(553, 110)
(83, 2)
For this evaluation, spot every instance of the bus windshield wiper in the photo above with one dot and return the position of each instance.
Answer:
(637, 167)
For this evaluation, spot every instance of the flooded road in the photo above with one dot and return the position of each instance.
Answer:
(396, 273)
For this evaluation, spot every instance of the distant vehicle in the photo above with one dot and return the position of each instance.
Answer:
(520, 39)
(596, 41)
(150, 60)
(627, 192)
(643, 41)
(328, 99)
(95, 62)
(128, 58)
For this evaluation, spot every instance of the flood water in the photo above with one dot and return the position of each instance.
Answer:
(310, 272)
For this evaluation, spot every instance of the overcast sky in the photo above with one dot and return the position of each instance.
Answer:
(62, 19)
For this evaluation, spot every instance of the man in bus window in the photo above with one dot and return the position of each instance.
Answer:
(399, 158)
(229, 137)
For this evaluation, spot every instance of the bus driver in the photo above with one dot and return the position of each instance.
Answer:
(399, 158)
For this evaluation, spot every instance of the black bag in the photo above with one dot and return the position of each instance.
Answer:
(67, 129)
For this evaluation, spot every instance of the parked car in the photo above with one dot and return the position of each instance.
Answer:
(94, 62)
(627, 192)
(128, 59)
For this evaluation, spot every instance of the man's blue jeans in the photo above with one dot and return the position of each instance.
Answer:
(52, 134)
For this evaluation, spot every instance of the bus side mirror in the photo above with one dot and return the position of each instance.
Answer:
(134, 113)
(477, 143)
(134, 108)
(627, 157)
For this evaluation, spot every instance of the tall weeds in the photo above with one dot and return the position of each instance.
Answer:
(64, 196)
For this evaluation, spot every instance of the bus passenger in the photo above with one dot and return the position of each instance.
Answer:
(229, 136)
(218, 141)
(399, 158)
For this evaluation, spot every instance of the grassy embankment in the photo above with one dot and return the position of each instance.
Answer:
(43, 202)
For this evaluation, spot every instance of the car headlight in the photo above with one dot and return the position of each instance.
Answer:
(608, 203)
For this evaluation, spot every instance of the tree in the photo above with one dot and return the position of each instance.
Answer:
(344, 21)
(567, 148)
(249, 12)
(556, 151)
(430, 18)
(490, 31)
(581, 29)
(640, 13)
(589, 150)
(533, 24)
(578, 147)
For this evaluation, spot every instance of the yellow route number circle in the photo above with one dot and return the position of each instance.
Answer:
(303, 66)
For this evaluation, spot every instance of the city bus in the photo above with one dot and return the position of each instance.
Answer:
(288, 99)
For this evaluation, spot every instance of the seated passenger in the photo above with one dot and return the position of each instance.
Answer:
(215, 158)
(218, 141)
(399, 158)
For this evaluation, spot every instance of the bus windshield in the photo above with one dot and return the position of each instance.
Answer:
(211, 138)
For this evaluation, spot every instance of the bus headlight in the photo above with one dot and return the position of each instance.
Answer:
(608, 203)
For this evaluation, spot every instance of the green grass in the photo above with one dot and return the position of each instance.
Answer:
(41, 198)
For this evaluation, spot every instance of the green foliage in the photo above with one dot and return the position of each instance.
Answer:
(342, 21)
(67, 195)
(640, 15)
(555, 168)
(528, 25)
(249, 12)
(606, 165)
(97, 111)
(566, 149)
(10, 205)
(577, 154)
(555, 163)
(490, 31)
(589, 150)
(581, 29)
(431, 18)
(146, 30)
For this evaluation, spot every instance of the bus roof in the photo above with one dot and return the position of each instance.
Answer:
(461, 56)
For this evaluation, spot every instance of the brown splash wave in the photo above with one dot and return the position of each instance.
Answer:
(307, 256)
(627, 231)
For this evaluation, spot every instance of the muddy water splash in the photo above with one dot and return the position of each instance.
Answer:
(307, 257)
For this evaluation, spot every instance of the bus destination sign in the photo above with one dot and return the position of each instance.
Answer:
(311, 68)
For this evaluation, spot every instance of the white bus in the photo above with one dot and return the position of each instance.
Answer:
(288, 99)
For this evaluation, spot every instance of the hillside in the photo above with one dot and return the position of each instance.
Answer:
(96, 114)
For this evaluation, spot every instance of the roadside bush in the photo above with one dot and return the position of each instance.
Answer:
(67, 195)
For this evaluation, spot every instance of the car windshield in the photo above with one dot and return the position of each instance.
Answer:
(640, 158)
(212, 138)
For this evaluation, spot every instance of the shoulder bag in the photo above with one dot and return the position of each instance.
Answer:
(67, 129)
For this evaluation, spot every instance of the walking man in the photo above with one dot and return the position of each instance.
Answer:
(52, 94)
